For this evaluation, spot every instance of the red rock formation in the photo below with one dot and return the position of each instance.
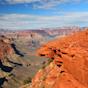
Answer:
(5, 48)
(69, 68)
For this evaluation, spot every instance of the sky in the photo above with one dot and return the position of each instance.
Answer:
(37, 14)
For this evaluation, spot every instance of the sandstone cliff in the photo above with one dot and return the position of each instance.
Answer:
(69, 68)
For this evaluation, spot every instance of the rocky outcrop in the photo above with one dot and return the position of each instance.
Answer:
(5, 47)
(69, 68)
(16, 68)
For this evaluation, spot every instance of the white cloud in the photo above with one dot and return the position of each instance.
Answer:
(47, 4)
(24, 21)
(42, 4)
(20, 1)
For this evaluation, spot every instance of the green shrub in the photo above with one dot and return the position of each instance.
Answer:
(28, 80)
(46, 64)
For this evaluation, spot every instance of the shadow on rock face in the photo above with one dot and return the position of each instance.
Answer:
(16, 50)
(5, 68)
(16, 64)
(2, 80)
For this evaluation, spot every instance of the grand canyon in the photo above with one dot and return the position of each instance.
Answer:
(53, 58)
(43, 43)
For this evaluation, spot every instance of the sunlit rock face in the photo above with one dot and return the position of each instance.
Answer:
(5, 47)
(69, 68)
